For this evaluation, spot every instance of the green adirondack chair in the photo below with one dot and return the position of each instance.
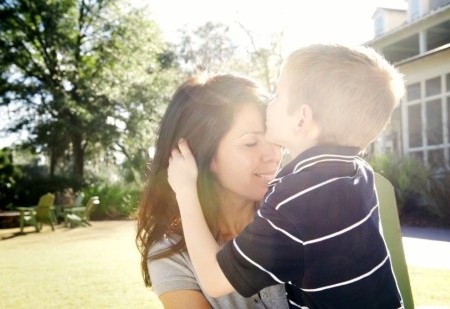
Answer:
(40, 214)
(78, 199)
(392, 233)
(80, 216)
(61, 210)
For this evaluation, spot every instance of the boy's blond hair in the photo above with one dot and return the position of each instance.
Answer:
(352, 91)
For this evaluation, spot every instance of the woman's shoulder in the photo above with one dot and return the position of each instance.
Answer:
(173, 272)
(164, 243)
(176, 258)
(176, 272)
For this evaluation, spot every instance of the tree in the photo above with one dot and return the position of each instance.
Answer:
(83, 73)
(211, 47)
(265, 61)
(208, 47)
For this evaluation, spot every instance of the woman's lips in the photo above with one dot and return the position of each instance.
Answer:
(266, 176)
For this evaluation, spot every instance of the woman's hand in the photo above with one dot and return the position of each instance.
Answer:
(182, 172)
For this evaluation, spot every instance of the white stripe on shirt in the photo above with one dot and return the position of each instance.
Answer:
(322, 156)
(343, 230)
(254, 263)
(279, 228)
(268, 194)
(296, 305)
(307, 242)
(298, 169)
(348, 281)
(295, 171)
(308, 190)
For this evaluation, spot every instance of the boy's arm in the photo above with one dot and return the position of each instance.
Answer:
(201, 245)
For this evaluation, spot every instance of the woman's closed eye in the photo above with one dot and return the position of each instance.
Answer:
(251, 143)
(251, 139)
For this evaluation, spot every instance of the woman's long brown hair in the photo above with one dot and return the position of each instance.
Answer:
(201, 111)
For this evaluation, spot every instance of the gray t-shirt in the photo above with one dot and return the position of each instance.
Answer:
(177, 273)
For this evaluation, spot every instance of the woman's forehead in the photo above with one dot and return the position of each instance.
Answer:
(248, 119)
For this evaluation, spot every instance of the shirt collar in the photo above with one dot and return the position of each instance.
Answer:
(315, 154)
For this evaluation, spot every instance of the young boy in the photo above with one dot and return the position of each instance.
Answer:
(318, 229)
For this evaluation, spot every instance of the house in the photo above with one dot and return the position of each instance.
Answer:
(416, 39)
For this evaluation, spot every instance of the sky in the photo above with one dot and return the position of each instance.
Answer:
(302, 22)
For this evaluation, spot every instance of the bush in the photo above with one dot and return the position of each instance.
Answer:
(439, 196)
(36, 182)
(30, 183)
(9, 174)
(408, 175)
(117, 201)
(23, 185)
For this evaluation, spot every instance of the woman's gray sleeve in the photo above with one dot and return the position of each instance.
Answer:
(171, 273)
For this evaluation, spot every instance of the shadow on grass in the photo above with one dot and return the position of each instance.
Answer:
(11, 233)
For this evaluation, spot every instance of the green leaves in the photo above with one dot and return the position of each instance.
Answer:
(76, 65)
(408, 175)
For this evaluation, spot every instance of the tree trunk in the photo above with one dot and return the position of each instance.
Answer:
(53, 161)
(78, 156)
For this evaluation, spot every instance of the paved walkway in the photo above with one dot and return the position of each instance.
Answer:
(427, 247)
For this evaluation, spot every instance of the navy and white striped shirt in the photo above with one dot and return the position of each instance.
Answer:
(318, 231)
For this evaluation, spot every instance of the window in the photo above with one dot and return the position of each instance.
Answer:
(434, 122)
(426, 112)
(413, 92)
(436, 158)
(417, 154)
(448, 82)
(433, 86)
(414, 9)
(379, 25)
(448, 120)
(415, 125)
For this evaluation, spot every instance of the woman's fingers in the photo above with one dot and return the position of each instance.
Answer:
(175, 153)
(182, 170)
(184, 149)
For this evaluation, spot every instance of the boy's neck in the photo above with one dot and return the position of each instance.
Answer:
(325, 148)
(295, 152)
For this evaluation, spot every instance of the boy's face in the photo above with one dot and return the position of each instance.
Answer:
(280, 124)
(292, 128)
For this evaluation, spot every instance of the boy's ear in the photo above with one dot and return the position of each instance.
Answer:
(307, 124)
(304, 116)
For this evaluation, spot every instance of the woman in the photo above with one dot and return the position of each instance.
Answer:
(222, 118)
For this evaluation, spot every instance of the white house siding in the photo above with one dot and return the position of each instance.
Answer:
(425, 110)
(420, 48)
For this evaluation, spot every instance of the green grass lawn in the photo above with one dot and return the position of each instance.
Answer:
(94, 267)
(98, 267)
(431, 287)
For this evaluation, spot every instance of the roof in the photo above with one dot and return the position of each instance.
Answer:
(426, 54)
(388, 9)
(407, 25)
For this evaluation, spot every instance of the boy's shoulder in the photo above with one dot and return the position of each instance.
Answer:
(317, 162)
(310, 173)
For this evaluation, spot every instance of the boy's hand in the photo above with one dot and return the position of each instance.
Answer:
(182, 172)
(182, 176)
